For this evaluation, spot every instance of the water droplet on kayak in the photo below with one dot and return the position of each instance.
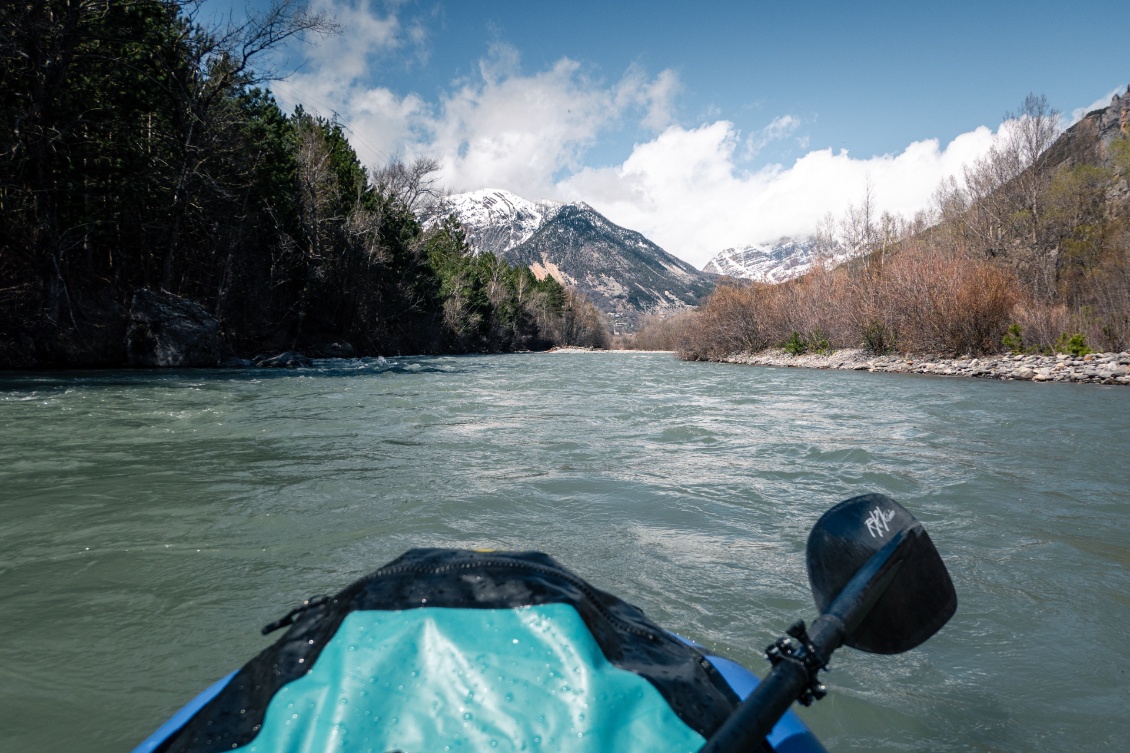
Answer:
(509, 697)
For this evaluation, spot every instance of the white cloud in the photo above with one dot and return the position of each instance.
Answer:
(685, 191)
(659, 98)
(1080, 112)
(366, 35)
(685, 188)
(502, 128)
(517, 131)
(780, 128)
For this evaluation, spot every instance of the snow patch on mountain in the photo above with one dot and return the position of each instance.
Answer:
(494, 220)
(782, 261)
(624, 273)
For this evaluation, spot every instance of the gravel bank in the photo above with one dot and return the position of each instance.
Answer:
(1097, 368)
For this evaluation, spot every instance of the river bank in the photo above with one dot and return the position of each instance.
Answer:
(1098, 368)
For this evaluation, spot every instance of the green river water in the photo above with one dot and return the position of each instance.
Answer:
(152, 522)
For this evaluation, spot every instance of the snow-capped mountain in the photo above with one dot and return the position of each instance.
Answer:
(624, 273)
(494, 220)
(777, 262)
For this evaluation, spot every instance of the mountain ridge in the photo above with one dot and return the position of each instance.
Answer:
(784, 260)
(625, 274)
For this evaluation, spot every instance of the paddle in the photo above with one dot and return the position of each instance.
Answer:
(880, 586)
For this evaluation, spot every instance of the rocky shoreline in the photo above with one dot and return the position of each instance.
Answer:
(1095, 368)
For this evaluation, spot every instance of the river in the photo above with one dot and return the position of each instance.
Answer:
(152, 522)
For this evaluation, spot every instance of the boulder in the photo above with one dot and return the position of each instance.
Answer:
(169, 331)
(288, 360)
(332, 350)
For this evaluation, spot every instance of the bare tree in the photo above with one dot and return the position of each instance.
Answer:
(222, 60)
(857, 228)
(825, 240)
(415, 185)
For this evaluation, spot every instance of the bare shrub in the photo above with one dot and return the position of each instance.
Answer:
(583, 324)
(728, 322)
(946, 304)
(1106, 298)
(1041, 324)
(661, 333)
(824, 303)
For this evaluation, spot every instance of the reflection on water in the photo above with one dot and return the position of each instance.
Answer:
(153, 521)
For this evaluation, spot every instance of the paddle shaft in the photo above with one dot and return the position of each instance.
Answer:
(759, 712)
(756, 716)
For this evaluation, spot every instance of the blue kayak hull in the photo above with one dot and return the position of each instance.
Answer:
(470, 651)
(790, 735)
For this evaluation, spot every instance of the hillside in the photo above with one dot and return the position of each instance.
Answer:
(1028, 252)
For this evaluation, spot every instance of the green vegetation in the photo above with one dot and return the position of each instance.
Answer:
(1075, 345)
(877, 338)
(814, 342)
(796, 344)
(1013, 339)
(139, 151)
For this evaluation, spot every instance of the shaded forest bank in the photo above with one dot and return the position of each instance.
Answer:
(138, 153)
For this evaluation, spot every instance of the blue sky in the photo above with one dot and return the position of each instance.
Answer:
(703, 125)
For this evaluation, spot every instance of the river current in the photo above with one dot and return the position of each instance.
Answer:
(152, 522)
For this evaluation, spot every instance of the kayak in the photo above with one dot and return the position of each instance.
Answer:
(456, 650)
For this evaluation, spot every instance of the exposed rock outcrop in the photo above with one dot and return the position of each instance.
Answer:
(168, 331)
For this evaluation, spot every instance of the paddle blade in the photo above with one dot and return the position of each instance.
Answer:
(920, 598)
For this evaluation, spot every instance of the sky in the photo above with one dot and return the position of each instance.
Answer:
(702, 125)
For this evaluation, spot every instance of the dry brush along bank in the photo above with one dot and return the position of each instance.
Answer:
(1094, 368)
